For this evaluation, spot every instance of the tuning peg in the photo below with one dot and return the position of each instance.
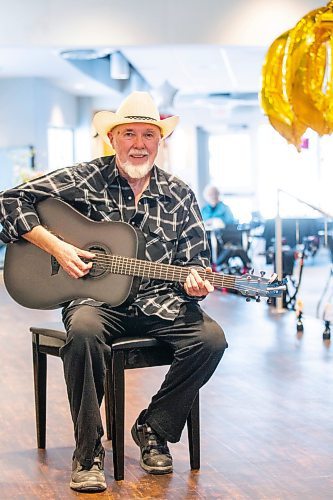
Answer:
(269, 301)
(257, 298)
(252, 271)
(262, 273)
(248, 299)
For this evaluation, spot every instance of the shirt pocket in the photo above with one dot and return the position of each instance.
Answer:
(161, 243)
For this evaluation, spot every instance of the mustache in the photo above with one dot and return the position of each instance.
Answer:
(138, 152)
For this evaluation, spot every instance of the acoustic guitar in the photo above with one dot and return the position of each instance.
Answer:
(34, 278)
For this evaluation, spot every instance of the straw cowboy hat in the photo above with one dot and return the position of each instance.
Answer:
(138, 107)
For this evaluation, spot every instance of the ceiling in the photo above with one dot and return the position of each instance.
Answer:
(208, 54)
(209, 85)
(189, 69)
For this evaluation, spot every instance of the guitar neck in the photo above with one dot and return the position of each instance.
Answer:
(166, 272)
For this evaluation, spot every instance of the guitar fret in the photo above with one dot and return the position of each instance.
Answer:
(131, 266)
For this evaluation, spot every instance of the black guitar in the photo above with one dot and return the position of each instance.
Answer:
(34, 279)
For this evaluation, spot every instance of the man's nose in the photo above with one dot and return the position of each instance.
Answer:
(139, 141)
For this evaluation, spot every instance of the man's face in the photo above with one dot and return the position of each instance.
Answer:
(136, 146)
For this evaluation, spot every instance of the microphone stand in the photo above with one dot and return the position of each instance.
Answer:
(278, 237)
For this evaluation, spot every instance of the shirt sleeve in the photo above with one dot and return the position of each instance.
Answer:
(17, 205)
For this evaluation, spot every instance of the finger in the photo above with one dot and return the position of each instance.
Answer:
(191, 286)
(188, 285)
(197, 277)
(209, 287)
(81, 265)
(85, 253)
(192, 282)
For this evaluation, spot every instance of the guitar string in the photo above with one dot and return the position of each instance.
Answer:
(248, 289)
(139, 263)
(225, 281)
(235, 286)
(143, 266)
(131, 264)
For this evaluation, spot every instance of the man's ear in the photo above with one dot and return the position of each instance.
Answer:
(110, 136)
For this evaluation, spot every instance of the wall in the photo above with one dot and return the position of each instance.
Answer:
(17, 105)
(28, 107)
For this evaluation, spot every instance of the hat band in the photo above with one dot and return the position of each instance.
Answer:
(148, 118)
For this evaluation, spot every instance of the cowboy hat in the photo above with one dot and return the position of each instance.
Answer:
(138, 107)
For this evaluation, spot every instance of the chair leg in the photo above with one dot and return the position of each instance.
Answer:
(117, 383)
(108, 406)
(40, 373)
(193, 431)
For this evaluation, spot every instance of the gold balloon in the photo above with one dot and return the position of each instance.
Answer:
(298, 40)
(274, 101)
(297, 83)
(312, 91)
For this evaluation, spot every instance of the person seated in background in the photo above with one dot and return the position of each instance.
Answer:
(216, 209)
(224, 238)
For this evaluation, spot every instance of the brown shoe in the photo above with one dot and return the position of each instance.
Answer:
(89, 479)
(155, 454)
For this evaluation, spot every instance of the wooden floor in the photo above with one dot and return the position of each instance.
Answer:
(266, 415)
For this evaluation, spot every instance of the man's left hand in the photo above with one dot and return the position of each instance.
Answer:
(195, 286)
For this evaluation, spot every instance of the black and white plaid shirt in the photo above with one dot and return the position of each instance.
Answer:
(167, 214)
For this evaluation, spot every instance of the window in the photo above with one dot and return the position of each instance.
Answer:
(280, 166)
(60, 147)
(230, 169)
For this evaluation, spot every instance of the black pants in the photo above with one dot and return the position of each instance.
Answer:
(198, 343)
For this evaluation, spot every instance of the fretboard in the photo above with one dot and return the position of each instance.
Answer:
(136, 267)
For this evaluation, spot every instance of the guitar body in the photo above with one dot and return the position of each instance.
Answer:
(33, 278)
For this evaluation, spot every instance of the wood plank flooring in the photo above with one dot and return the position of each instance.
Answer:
(266, 415)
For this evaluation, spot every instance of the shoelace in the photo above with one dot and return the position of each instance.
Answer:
(155, 442)
(96, 464)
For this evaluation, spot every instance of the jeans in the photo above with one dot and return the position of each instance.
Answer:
(198, 343)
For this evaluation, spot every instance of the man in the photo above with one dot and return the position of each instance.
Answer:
(131, 188)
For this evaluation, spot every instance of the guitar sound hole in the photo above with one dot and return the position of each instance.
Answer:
(100, 267)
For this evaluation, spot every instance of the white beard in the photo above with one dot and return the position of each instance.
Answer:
(136, 172)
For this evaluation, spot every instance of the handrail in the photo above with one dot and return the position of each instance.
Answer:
(278, 237)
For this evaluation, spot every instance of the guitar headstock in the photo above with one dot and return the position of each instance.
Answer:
(254, 287)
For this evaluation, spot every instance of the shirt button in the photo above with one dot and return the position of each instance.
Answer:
(133, 223)
(130, 197)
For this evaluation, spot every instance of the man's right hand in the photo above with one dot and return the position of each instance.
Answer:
(68, 256)
(70, 259)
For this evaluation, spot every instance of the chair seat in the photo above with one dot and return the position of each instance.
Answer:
(52, 336)
(49, 331)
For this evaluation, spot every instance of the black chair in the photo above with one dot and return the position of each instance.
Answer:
(126, 353)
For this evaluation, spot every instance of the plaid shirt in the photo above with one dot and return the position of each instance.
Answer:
(167, 214)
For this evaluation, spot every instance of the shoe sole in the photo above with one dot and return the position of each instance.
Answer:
(87, 487)
(147, 468)
(157, 471)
